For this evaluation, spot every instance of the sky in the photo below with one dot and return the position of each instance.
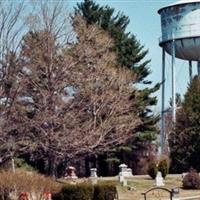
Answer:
(145, 25)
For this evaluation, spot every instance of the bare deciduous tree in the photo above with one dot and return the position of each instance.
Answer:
(80, 99)
(12, 29)
(105, 113)
(14, 18)
(71, 99)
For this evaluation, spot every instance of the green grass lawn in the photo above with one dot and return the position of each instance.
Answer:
(141, 184)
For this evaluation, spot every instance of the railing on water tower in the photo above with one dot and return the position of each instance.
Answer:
(191, 32)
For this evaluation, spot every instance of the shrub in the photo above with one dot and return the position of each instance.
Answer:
(152, 170)
(102, 191)
(191, 180)
(105, 191)
(22, 181)
(21, 163)
(77, 192)
(163, 167)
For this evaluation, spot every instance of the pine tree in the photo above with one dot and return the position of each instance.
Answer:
(130, 52)
(130, 55)
(191, 104)
(185, 140)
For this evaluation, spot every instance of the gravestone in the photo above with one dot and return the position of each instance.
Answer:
(124, 183)
(93, 172)
(121, 178)
(159, 180)
(70, 173)
(125, 171)
(93, 176)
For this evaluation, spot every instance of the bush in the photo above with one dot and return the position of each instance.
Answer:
(152, 170)
(22, 181)
(102, 191)
(163, 167)
(191, 180)
(105, 191)
(77, 192)
(21, 163)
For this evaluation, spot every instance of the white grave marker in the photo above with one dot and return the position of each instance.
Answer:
(159, 180)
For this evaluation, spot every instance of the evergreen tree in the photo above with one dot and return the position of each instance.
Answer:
(130, 52)
(191, 104)
(185, 140)
(130, 55)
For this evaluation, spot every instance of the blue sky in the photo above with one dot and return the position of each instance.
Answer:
(145, 24)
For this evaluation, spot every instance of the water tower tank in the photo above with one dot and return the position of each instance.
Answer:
(181, 22)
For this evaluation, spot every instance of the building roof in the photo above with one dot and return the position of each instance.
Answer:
(180, 2)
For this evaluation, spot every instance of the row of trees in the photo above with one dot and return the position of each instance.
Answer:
(69, 91)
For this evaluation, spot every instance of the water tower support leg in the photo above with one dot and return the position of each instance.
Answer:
(173, 84)
(190, 70)
(162, 133)
(198, 68)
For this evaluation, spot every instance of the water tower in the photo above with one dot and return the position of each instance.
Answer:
(180, 24)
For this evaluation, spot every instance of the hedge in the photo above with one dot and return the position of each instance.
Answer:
(152, 170)
(103, 191)
(163, 167)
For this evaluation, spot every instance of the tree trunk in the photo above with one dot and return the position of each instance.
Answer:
(52, 166)
(13, 164)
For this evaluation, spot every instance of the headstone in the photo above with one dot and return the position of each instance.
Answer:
(121, 178)
(71, 173)
(125, 171)
(93, 176)
(129, 172)
(159, 180)
(93, 180)
(124, 183)
(93, 172)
